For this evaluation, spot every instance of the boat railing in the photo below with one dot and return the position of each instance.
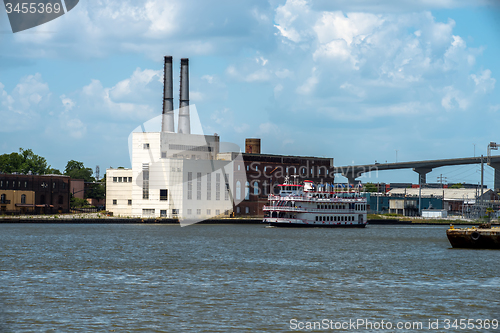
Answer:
(272, 197)
(284, 209)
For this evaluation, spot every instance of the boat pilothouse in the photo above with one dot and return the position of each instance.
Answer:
(316, 205)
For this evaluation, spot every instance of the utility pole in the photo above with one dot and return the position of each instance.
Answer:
(440, 179)
(482, 182)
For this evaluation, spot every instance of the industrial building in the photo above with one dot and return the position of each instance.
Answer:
(194, 177)
(405, 201)
(22, 194)
(174, 174)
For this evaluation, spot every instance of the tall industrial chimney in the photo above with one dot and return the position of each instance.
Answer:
(167, 122)
(184, 123)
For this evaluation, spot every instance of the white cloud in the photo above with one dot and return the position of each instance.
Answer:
(293, 13)
(484, 82)
(137, 87)
(310, 83)
(453, 99)
(23, 108)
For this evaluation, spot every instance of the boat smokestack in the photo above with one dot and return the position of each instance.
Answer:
(167, 123)
(184, 123)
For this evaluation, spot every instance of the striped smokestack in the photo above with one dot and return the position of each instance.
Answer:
(167, 123)
(184, 123)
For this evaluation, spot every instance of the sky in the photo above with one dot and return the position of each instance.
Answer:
(355, 80)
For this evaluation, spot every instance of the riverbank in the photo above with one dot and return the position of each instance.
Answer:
(82, 218)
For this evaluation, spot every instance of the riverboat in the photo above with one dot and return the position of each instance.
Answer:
(316, 205)
(483, 237)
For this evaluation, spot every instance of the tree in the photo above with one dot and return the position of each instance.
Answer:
(76, 170)
(96, 191)
(51, 171)
(370, 187)
(23, 162)
(457, 185)
(10, 163)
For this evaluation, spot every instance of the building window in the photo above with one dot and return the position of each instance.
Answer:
(124, 179)
(175, 212)
(119, 179)
(189, 211)
(61, 199)
(238, 190)
(257, 168)
(217, 212)
(198, 186)
(198, 211)
(190, 186)
(238, 210)
(130, 179)
(63, 185)
(163, 213)
(239, 167)
(7, 183)
(247, 210)
(146, 146)
(164, 194)
(53, 184)
(129, 202)
(115, 179)
(217, 186)
(114, 201)
(145, 180)
(255, 188)
(2, 199)
(247, 191)
(209, 212)
(248, 168)
(209, 186)
(226, 192)
(148, 212)
(1, 183)
(23, 198)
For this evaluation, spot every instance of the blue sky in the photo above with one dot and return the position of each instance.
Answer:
(354, 80)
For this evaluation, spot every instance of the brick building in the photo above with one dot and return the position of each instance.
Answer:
(265, 171)
(46, 194)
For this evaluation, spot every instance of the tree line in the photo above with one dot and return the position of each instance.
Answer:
(27, 161)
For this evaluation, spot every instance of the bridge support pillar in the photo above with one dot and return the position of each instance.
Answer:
(351, 179)
(352, 173)
(496, 167)
(422, 173)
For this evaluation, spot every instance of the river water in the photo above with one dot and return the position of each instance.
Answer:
(241, 278)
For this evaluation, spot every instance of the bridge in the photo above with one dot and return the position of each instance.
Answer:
(351, 172)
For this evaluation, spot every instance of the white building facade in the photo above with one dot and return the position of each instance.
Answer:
(187, 181)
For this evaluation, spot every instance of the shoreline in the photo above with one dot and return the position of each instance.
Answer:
(252, 220)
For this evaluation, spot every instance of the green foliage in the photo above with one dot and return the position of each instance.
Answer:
(96, 191)
(24, 162)
(370, 187)
(458, 185)
(52, 171)
(78, 203)
(76, 170)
